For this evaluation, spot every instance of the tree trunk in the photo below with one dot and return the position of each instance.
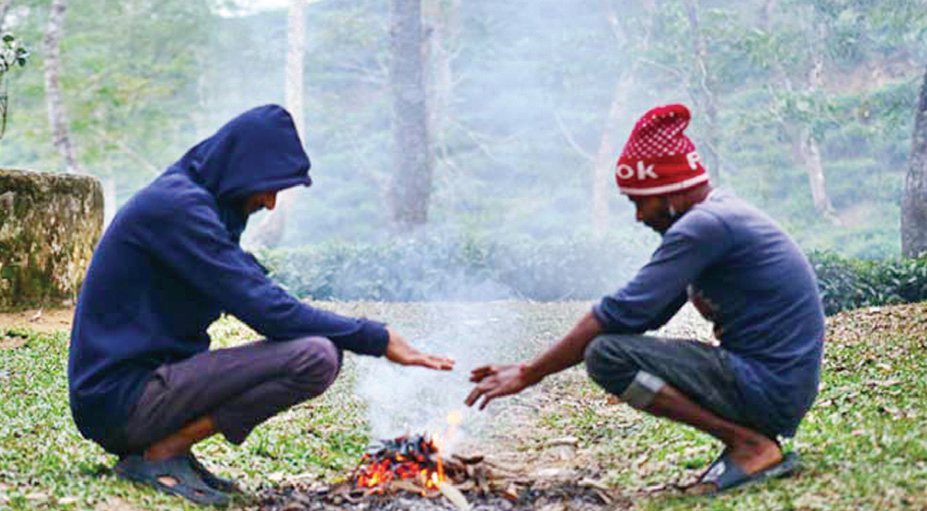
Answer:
(603, 180)
(4, 8)
(295, 58)
(410, 190)
(271, 230)
(704, 95)
(109, 199)
(808, 152)
(804, 146)
(57, 117)
(809, 155)
(603, 173)
(444, 44)
(914, 204)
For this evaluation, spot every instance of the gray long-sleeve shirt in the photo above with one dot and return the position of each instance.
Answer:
(756, 285)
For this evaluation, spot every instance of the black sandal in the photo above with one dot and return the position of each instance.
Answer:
(188, 483)
(725, 474)
(215, 482)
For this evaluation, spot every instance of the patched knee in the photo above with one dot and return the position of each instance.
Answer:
(607, 364)
(642, 390)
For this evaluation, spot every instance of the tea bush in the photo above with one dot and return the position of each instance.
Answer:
(458, 268)
(851, 283)
(469, 269)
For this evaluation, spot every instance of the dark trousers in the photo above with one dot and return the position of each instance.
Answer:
(238, 388)
(633, 366)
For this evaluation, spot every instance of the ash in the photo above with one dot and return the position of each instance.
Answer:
(562, 497)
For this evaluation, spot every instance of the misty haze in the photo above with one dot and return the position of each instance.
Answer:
(466, 192)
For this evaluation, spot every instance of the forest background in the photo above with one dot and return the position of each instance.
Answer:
(804, 107)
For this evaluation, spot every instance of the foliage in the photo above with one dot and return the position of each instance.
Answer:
(532, 85)
(455, 268)
(47, 465)
(861, 445)
(468, 269)
(850, 284)
(12, 54)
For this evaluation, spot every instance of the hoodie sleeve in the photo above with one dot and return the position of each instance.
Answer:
(189, 238)
(658, 290)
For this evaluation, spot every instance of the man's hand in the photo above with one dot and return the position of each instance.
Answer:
(496, 381)
(400, 352)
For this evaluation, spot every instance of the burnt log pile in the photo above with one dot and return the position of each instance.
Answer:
(470, 483)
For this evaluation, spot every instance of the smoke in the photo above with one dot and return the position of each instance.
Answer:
(410, 400)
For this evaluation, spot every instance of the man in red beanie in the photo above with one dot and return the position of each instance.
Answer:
(741, 271)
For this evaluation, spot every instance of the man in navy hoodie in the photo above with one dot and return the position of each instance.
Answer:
(143, 382)
(741, 271)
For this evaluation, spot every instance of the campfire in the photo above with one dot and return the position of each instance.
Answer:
(410, 458)
(407, 472)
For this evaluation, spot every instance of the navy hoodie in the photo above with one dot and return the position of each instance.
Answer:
(169, 264)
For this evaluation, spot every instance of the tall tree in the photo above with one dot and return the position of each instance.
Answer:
(4, 8)
(273, 227)
(799, 74)
(703, 91)
(57, 116)
(444, 46)
(914, 205)
(803, 141)
(411, 186)
(603, 180)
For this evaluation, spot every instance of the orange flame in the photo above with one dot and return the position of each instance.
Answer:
(422, 460)
(377, 473)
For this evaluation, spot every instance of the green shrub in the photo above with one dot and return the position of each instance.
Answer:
(852, 283)
(423, 268)
(456, 269)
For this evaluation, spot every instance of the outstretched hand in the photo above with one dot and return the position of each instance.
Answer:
(494, 381)
(401, 352)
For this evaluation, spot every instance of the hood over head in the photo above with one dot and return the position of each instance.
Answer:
(258, 151)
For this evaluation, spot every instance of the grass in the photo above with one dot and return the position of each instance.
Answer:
(45, 464)
(863, 445)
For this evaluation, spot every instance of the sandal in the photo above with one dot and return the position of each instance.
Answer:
(725, 474)
(187, 482)
(215, 482)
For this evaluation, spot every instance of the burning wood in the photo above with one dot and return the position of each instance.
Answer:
(413, 464)
(401, 459)
(396, 470)
(408, 472)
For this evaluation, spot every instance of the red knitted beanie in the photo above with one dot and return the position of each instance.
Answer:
(658, 158)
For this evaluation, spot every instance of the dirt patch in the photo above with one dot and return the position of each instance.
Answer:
(117, 504)
(38, 320)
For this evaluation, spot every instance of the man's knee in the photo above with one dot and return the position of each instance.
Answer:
(315, 362)
(608, 365)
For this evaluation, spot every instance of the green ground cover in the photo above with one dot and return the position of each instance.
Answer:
(864, 444)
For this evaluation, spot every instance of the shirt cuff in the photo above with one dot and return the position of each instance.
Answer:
(370, 339)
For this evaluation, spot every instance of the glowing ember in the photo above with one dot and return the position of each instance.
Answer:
(414, 457)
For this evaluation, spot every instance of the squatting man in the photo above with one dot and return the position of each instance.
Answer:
(143, 382)
(741, 271)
